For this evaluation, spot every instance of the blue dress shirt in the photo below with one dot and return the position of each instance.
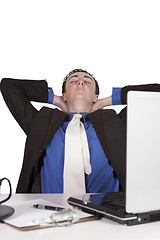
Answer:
(100, 180)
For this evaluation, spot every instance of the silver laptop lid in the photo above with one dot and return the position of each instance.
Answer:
(143, 152)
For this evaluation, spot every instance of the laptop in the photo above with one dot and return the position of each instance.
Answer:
(140, 203)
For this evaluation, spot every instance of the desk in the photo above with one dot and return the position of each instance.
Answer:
(98, 229)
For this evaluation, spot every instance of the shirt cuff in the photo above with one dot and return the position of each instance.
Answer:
(116, 96)
(50, 95)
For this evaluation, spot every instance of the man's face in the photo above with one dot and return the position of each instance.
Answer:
(80, 85)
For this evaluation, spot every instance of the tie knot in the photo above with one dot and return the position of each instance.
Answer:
(77, 116)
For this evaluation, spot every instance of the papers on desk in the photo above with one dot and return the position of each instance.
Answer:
(26, 216)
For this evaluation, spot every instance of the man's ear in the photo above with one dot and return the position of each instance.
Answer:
(64, 97)
(95, 98)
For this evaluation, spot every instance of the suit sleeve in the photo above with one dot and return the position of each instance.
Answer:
(18, 95)
(147, 87)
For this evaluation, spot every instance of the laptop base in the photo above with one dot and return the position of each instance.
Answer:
(96, 205)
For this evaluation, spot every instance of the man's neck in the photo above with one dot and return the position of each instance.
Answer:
(78, 107)
(78, 110)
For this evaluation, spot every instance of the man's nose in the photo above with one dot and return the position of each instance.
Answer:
(80, 82)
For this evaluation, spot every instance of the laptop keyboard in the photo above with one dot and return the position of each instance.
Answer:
(115, 200)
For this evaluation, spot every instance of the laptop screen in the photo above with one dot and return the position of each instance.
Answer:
(143, 152)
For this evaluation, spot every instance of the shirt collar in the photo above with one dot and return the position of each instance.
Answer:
(82, 113)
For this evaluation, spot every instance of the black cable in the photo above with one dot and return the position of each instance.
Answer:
(10, 190)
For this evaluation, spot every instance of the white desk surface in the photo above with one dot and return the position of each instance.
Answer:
(97, 229)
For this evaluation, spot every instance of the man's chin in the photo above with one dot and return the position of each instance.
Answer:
(80, 95)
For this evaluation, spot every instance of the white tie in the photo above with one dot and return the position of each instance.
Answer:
(77, 157)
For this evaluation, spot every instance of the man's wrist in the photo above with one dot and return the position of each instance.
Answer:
(116, 96)
(50, 95)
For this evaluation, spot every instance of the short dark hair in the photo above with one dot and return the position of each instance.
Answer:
(79, 70)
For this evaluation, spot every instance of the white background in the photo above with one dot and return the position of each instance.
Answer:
(118, 41)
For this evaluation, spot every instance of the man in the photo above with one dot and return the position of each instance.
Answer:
(43, 163)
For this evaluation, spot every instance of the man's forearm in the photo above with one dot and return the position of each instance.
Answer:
(34, 90)
(19, 93)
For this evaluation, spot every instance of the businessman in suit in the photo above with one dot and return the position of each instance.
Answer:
(43, 163)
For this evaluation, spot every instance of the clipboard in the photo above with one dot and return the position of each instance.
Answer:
(25, 215)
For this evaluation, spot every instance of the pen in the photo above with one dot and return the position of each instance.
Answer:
(41, 206)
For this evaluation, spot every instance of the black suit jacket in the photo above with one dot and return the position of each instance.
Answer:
(40, 127)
